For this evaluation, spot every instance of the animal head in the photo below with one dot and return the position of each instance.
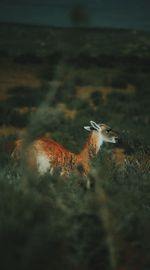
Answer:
(105, 132)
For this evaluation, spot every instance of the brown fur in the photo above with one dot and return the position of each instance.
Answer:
(58, 156)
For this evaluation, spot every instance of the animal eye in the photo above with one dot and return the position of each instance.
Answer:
(108, 130)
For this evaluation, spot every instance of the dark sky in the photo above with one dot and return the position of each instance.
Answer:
(110, 13)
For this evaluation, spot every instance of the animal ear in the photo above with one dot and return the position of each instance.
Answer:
(94, 125)
(88, 128)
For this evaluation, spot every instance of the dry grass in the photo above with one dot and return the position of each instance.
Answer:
(13, 75)
(84, 92)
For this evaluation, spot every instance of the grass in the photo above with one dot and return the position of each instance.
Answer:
(47, 218)
(54, 223)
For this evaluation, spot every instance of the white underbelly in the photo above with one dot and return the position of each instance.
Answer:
(43, 164)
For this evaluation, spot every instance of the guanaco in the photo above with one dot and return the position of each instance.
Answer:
(47, 155)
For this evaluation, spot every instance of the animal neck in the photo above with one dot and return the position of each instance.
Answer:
(92, 145)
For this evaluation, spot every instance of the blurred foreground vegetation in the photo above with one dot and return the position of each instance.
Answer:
(76, 76)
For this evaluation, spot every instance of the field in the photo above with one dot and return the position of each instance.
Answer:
(53, 81)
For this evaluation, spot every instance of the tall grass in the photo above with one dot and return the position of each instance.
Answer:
(51, 222)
